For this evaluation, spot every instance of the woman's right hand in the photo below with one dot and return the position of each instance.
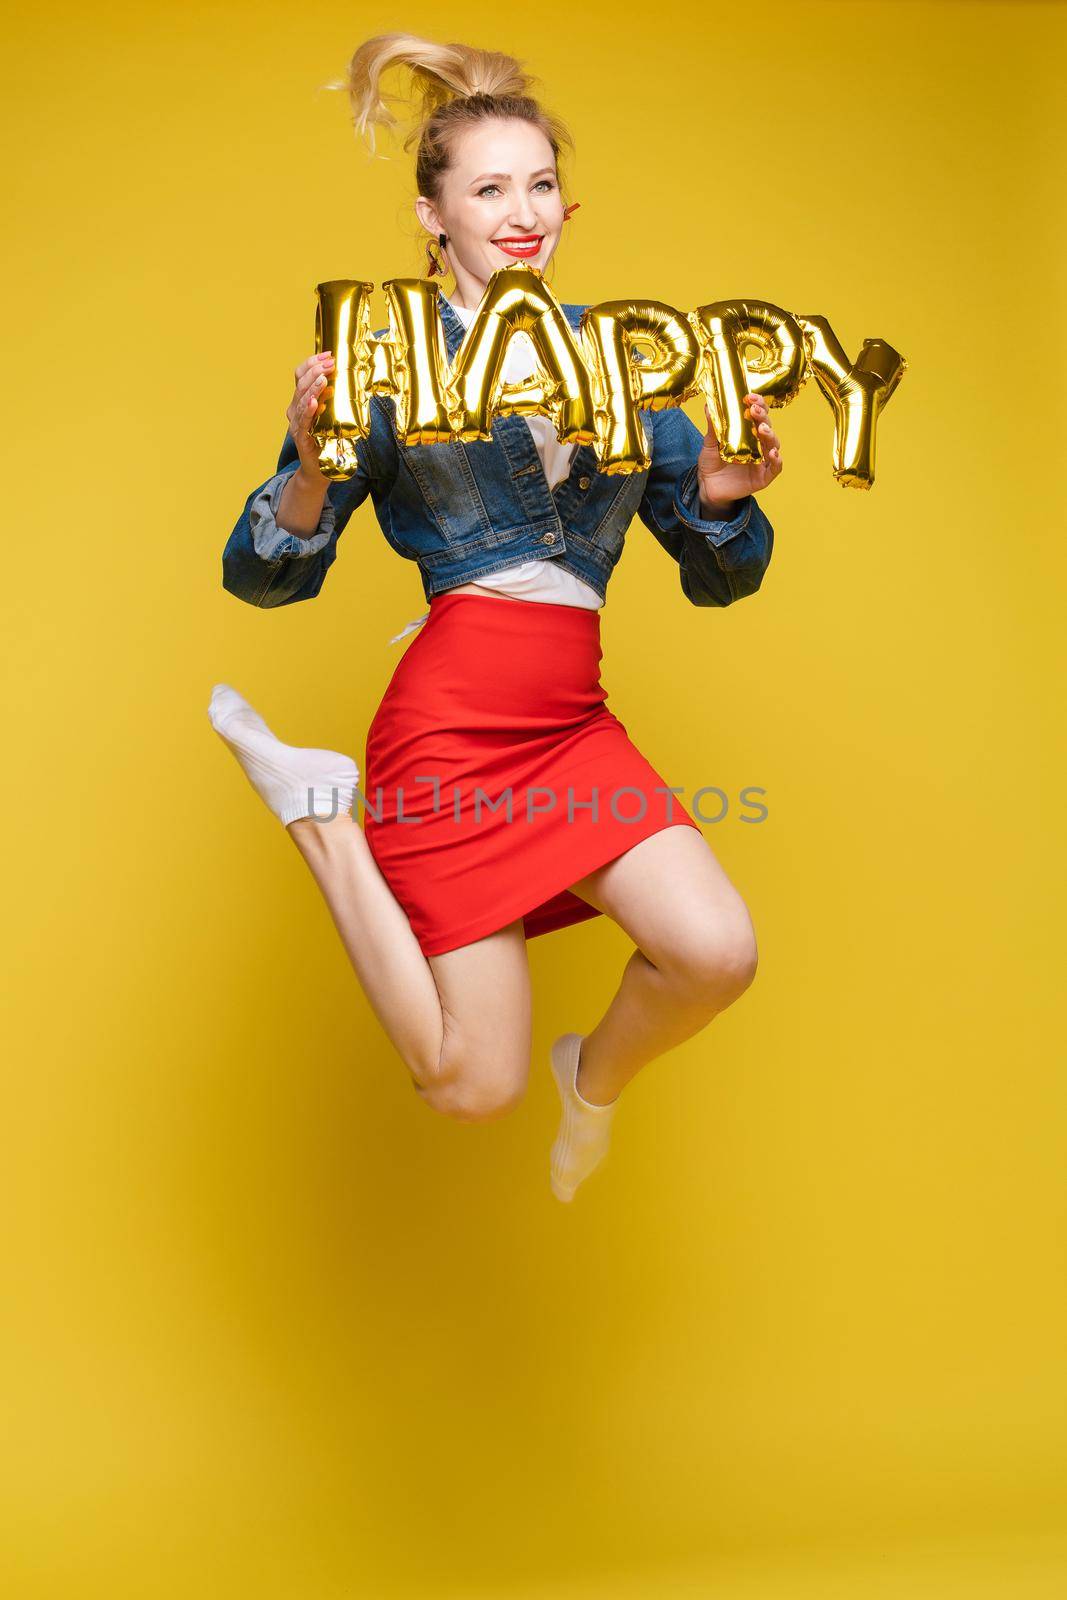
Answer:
(312, 378)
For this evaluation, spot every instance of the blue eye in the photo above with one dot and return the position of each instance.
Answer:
(489, 188)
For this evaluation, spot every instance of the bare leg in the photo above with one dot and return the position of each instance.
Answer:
(696, 954)
(461, 1021)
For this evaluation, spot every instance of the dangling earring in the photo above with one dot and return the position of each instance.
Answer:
(568, 211)
(436, 265)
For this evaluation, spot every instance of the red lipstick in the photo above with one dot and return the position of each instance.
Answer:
(522, 246)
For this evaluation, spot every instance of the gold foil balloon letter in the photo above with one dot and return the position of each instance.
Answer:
(728, 330)
(516, 300)
(611, 332)
(417, 368)
(856, 392)
(342, 325)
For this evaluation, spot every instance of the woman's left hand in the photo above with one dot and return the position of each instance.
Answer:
(721, 482)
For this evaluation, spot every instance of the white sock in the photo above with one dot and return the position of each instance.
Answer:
(584, 1130)
(293, 781)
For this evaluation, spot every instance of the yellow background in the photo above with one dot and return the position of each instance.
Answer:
(272, 1329)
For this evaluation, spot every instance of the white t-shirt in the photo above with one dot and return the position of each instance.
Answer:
(542, 579)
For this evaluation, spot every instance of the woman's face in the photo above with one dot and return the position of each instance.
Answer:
(500, 202)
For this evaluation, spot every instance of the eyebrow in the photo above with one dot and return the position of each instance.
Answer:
(538, 174)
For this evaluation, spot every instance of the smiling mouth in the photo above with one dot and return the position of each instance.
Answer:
(521, 247)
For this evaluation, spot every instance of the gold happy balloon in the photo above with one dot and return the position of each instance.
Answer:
(728, 330)
(628, 356)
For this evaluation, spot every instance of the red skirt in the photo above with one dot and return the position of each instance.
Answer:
(495, 774)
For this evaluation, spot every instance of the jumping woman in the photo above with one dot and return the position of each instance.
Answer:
(500, 789)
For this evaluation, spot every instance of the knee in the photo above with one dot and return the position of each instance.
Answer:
(719, 963)
(473, 1096)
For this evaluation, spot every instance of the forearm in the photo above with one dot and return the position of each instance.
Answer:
(300, 506)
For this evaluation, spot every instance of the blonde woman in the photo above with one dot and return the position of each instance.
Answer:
(500, 788)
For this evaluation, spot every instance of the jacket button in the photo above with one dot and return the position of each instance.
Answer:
(583, 483)
(549, 538)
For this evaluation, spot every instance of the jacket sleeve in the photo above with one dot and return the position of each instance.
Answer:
(719, 561)
(266, 565)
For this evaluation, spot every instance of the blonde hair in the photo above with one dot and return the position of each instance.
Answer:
(451, 87)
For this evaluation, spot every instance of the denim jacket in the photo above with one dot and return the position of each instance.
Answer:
(462, 511)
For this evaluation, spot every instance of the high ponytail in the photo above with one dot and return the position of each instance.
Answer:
(451, 86)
